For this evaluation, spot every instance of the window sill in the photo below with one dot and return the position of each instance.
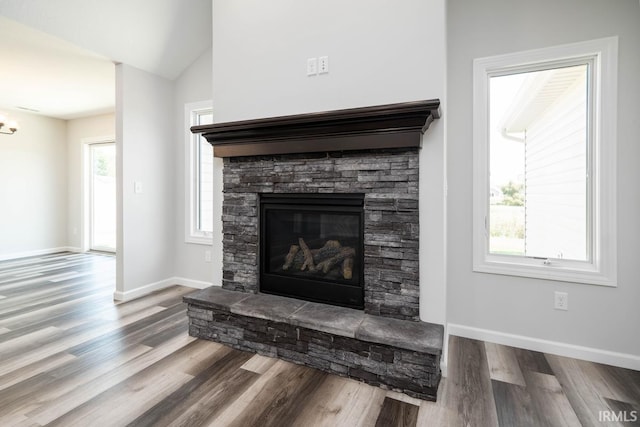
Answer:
(584, 275)
(199, 240)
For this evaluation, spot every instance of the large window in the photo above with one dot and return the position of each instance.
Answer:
(199, 176)
(544, 172)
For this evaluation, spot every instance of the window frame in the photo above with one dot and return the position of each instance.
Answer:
(601, 268)
(193, 234)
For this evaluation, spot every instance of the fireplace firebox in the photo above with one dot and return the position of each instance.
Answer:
(311, 247)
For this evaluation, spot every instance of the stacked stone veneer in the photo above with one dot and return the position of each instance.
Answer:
(395, 354)
(389, 181)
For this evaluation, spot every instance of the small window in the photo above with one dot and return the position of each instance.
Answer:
(544, 153)
(199, 176)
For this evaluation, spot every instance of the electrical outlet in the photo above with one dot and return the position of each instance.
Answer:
(312, 66)
(561, 301)
(323, 65)
(137, 187)
(207, 256)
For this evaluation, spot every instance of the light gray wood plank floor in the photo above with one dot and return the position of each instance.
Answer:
(70, 356)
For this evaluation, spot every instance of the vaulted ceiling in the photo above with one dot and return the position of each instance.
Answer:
(58, 55)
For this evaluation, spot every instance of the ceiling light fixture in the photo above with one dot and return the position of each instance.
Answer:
(11, 125)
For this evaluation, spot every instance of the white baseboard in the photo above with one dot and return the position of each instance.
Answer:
(590, 354)
(196, 284)
(74, 249)
(444, 357)
(37, 252)
(162, 284)
(143, 290)
(444, 368)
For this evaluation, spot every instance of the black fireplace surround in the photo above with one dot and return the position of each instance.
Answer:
(311, 247)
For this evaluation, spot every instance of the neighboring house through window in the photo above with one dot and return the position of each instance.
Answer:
(544, 153)
(199, 168)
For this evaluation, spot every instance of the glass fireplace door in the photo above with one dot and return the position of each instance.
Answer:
(312, 247)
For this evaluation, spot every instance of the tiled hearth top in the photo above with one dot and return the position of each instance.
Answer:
(416, 336)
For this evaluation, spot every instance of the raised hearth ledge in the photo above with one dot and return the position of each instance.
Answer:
(383, 126)
(346, 322)
(401, 355)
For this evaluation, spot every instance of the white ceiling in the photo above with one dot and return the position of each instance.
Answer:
(58, 57)
(53, 77)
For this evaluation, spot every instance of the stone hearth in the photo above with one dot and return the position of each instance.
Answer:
(394, 354)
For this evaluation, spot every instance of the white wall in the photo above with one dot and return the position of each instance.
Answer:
(193, 85)
(379, 52)
(79, 131)
(145, 145)
(490, 306)
(33, 186)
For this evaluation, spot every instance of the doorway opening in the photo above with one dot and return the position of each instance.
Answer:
(100, 217)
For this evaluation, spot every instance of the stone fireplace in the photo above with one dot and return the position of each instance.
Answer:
(386, 179)
(324, 208)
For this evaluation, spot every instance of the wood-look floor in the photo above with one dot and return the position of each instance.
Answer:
(69, 356)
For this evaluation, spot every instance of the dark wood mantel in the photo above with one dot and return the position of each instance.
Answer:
(384, 126)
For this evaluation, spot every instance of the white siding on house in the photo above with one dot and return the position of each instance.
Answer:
(555, 178)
